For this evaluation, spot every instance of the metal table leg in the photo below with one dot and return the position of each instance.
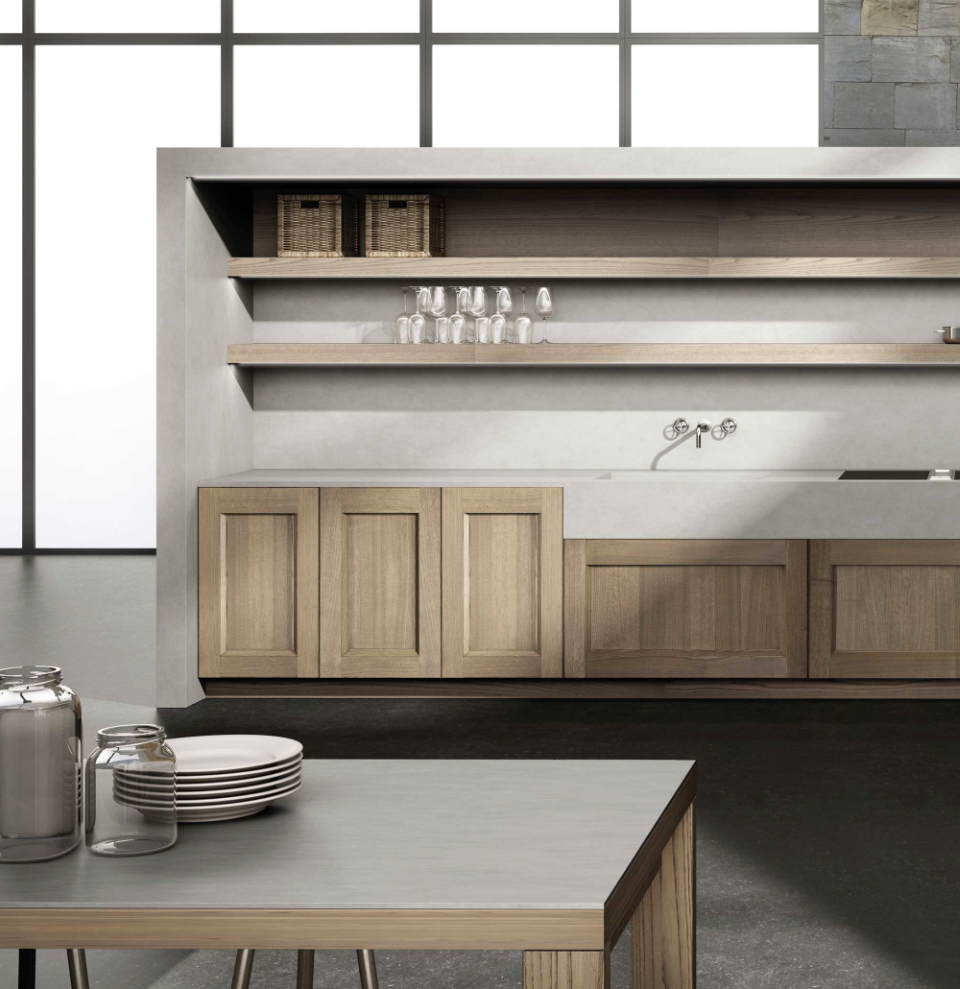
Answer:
(77, 964)
(368, 969)
(242, 969)
(27, 968)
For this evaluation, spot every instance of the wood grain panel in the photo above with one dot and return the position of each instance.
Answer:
(583, 222)
(259, 593)
(564, 970)
(258, 582)
(667, 608)
(663, 943)
(502, 582)
(380, 582)
(429, 269)
(87, 927)
(837, 222)
(886, 608)
(598, 354)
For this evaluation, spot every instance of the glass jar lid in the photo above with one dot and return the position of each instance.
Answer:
(119, 735)
(29, 676)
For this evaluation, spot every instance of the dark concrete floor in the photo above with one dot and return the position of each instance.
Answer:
(827, 832)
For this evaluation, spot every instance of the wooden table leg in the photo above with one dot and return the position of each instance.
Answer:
(27, 968)
(663, 940)
(566, 970)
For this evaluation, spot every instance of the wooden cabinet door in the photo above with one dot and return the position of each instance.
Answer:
(685, 608)
(502, 582)
(885, 608)
(380, 582)
(259, 570)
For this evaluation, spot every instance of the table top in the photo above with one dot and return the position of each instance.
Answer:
(391, 835)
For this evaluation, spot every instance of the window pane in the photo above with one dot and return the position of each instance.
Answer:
(326, 16)
(712, 16)
(722, 96)
(127, 15)
(377, 105)
(10, 22)
(525, 96)
(10, 293)
(520, 16)
(96, 315)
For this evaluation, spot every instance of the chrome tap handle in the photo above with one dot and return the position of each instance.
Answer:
(729, 425)
(680, 426)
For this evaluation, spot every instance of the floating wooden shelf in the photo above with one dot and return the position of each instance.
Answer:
(531, 355)
(569, 267)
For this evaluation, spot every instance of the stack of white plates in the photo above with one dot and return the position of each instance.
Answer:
(218, 777)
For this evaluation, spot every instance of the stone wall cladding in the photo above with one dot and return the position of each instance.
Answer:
(891, 73)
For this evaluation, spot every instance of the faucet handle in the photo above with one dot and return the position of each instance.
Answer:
(729, 425)
(680, 426)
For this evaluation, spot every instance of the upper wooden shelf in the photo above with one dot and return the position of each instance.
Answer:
(574, 354)
(440, 269)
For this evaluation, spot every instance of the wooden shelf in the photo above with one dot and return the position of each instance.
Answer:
(440, 269)
(574, 354)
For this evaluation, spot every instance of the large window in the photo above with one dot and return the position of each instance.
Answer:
(97, 85)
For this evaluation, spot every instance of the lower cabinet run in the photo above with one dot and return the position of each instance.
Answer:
(380, 582)
(885, 608)
(502, 582)
(258, 568)
(685, 608)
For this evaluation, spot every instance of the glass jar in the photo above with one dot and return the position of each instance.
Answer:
(130, 788)
(40, 760)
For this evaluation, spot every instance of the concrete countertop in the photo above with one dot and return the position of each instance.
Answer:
(687, 504)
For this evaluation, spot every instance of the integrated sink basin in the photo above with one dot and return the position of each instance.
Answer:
(887, 475)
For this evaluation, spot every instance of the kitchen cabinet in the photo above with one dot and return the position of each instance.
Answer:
(258, 582)
(380, 582)
(502, 582)
(885, 608)
(685, 608)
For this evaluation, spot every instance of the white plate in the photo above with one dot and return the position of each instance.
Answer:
(152, 781)
(209, 804)
(203, 777)
(139, 793)
(208, 816)
(230, 753)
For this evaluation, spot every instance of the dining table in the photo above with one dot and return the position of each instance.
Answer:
(554, 858)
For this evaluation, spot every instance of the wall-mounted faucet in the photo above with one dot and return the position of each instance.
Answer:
(728, 426)
(703, 426)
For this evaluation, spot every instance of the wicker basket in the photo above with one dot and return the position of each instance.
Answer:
(316, 225)
(404, 227)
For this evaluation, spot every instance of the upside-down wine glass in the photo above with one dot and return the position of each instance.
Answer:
(498, 321)
(544, 309)
(438, 309)
(458, 322)
(523, 324)
(478, 309)
(418, 322)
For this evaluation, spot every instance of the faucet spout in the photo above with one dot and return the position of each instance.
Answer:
(703, 426)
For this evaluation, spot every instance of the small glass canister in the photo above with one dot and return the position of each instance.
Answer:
(40, 760)
(130, 797)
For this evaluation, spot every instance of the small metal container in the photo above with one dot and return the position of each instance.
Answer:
(951, 334)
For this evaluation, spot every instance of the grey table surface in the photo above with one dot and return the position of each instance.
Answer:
(391, 834)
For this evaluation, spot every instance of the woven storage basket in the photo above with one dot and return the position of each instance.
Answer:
(404, 227)
(316, 225)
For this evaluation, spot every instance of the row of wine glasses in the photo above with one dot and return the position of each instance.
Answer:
(430, 322)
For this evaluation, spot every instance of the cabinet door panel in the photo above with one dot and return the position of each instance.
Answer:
(502, 582)
(690, 608)
(259, 570)
(380, 582)
(885, 608)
